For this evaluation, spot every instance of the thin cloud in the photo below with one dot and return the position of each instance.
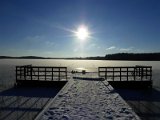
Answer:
(49, 43)
(111, 48)
(36, 38)
(126, 49)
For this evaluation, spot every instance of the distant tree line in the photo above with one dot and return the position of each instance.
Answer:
(116, 56)
(133, 56)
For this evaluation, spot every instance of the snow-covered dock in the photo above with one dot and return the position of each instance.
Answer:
(87, 100)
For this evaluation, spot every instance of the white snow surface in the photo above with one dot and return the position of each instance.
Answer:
(87, 100)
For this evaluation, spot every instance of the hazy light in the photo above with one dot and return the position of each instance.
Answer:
(82, 33)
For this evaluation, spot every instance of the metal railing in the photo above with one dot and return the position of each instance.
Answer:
(29, 72)
(131, 73)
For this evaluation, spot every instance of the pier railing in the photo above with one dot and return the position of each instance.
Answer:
(41, 73)
(132, 73)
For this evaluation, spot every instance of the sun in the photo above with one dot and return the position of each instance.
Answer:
(82, 33)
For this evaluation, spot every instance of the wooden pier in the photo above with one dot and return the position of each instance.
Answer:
(123, 77)
(127, 77)
(87, 100)
(29, 75)
(78, 98)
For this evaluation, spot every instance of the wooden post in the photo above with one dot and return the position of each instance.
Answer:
(31, 72)
(66, 73)
(113, 73)
(146, 73)
(120, 73)
(98, 71)
(127, 73)
(20, 72)
(24, 72)
(134, 73)
(141, 73)
(52, 73)
(150, 73)
(38, 73)
(59, 74)
(45, 73)
(106, 73)
(16, 73)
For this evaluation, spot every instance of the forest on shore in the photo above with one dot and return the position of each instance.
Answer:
(130, 56)
(116, 56)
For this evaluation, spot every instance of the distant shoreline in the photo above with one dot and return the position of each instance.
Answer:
(117, 56)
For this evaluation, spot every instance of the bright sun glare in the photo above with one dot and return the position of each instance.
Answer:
(82, 33)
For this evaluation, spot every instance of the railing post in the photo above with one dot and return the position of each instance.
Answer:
(127, 73)
(134, 73)
(24, 72)
(141, 73)
(45, 73)
(20, 71)
(16, 73)
(52, 73)
(98, 72)
(31, 72)
(66, 73)
(113, 73)
(150, 73)
(59, 74)
(106, 73)
(120, 73)
(146, 72)
(38, 73)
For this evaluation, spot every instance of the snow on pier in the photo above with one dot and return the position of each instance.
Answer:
(87, 100)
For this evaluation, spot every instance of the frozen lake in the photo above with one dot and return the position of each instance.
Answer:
(145, 103)
(7, 67)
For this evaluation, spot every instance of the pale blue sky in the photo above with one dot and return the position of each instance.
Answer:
(42, 27)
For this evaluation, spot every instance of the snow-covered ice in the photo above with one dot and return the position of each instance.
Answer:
(87, 100)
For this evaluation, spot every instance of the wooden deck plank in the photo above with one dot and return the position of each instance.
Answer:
(84, 99)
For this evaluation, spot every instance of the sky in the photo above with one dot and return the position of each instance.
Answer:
(47, 27)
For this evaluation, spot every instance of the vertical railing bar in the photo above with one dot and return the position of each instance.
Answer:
(31, 72)
(38, 73)
(150, 73)
(52, 73)
(127, 74)
(113, 73)
(120, 73)
(106, 73)
(20, 72)
(141, 73)
(66, 73)
(134, 73)
(146, 73)
(24, 72)
(45, 73)
(98, 72)
(27, 71)
(59, 74)
(16, 73)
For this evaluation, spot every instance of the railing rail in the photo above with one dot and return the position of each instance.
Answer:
(131, 73)
(29, 72)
